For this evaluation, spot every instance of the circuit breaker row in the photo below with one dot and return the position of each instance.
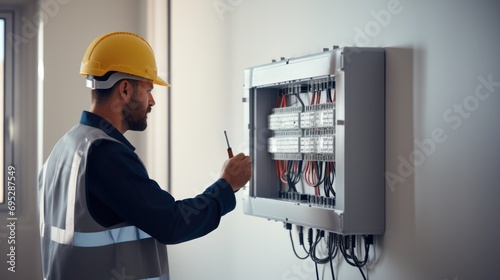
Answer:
(316, 200)
(314, 144)
(303, 130)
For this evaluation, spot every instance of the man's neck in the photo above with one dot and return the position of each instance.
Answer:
(112, 115)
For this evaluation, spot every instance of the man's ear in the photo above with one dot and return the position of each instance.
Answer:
(125, 89)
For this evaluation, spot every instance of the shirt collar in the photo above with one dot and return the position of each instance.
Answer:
(99, 122)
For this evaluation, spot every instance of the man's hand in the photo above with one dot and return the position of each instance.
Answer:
(237, 171)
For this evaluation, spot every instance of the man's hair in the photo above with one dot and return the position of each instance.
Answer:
(102, 94)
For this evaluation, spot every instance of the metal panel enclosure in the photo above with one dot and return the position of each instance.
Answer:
(357, 78)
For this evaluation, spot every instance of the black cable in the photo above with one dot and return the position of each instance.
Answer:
(289, 176)
(317, 273)
(300, 100)
(332, 164)
(362, 273)
(329, 94)
(357, 263)
(301, 239)
(293, 247)
(332, 250)
(331, 268)
(319, 172)
(313, 248)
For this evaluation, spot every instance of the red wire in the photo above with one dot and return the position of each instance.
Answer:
(306, 173)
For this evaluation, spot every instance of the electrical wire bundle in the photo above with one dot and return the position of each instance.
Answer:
(347, 247)
(329, 95)
(332, 250)
(293, 174)
(313, 175)
(335, 243)
(320, 172)
(329, 178)
(314, 243)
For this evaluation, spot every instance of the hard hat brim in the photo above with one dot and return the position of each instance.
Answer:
(159, 81)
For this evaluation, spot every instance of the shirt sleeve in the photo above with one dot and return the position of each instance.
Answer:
(120, 190)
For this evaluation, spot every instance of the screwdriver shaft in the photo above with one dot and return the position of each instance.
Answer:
(229, 150)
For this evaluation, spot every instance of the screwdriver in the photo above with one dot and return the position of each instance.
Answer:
(229, 150)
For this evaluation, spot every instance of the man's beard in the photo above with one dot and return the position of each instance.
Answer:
(133, 116)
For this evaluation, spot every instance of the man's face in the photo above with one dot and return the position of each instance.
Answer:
(136, 110)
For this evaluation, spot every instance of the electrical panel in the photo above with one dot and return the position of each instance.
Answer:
(316, 128)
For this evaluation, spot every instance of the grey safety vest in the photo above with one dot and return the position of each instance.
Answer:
(74, 245)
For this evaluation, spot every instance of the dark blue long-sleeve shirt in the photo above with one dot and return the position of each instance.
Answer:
(120, 190)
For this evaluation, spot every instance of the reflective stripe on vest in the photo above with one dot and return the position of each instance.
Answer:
(65, 236)
(108, 237)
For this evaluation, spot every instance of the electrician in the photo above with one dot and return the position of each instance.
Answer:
(101, 216)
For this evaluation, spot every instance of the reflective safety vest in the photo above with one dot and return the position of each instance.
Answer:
(74, 245)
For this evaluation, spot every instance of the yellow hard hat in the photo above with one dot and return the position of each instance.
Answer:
(123, 52)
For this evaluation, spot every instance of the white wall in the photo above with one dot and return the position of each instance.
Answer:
(67, 35)
(442, 219)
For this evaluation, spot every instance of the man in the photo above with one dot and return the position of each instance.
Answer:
(101, 216)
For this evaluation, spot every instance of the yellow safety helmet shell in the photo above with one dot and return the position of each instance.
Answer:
(122, 52)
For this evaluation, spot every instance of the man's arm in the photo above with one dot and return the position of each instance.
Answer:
(119, 189)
